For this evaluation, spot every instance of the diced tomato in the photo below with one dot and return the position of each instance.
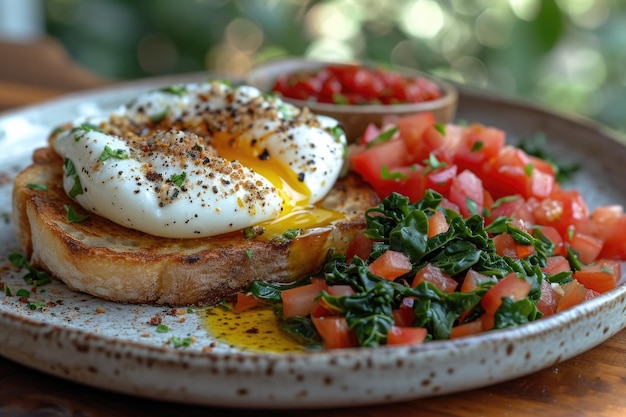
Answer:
(507, 246)
(574, 293)
(322, 309)
(340, 290)
(601, 276)
(511, 286)
(437, 224)
(488, 320)
(246, 302)
(466, 329)
(587, 247)
(513, 172)
(556, 264)
(334, 332)
(549, 299)
(299, 301)
(473, 279)
(435, 276)
(409, 182)
(390, 265)
(440, 179)
(605, 219)
(371, 132)
(478, 144)
(411, 129)
(561, 210)
(369, 162)
(404, 315)
(615, 243)
(406, 335)
(360, 246)
(467, 192)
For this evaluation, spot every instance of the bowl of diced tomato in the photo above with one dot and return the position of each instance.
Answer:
(356, 94)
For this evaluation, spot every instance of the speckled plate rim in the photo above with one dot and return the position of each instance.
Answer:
(312, 380)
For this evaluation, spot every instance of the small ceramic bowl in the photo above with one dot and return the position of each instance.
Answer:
(355, 118)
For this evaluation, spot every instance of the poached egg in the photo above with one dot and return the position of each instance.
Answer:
(200, 160)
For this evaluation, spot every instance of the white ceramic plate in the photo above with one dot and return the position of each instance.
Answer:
(114, 347)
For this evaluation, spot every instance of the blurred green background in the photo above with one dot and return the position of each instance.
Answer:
(567, 54)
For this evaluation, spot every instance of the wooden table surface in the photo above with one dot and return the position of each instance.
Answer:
(592, 384)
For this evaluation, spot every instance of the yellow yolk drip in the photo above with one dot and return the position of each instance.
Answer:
(255, 330)
(296, 211)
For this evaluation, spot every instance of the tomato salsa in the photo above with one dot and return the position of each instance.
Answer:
(355, 84)
(471, 235)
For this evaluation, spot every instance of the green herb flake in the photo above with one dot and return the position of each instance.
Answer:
(179, 179)
(433, 163)
(22, 293)
(162, 328)
(177, 90)
(472, 207)
(36, 305)
(34, 277)
(249, 253)
(441, 128)
(72, 216)
(110, 153)
(382, 137)
(338, 133)
(7, 290)
(70, 171)
(503, 200)
(39, 187)
(291, 233)
(249, 233)
(181, 342)
(387, 175)
(528, 169)
(190, 310)
(84, 128)
(477, 146)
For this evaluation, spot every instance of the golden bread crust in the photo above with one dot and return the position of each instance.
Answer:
(106, 260)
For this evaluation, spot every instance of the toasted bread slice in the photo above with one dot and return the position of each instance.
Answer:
(106, 260)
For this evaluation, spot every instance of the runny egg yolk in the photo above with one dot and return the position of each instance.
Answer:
(296, 212)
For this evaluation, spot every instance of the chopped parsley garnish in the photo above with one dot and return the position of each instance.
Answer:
(291, 233)
(40, 187)
(70, 171)
(34, 277)
(528, 169)
(503, 200)
(477, 146)
(85, 128)
(72, 216)
(22, 293)
(7, 290)
(433, 163)
(162, 328)
(441, 128)
(179, 179)
(177, 90)
(249, 232)
(249, 253)
(181, 342)
(382, 137)
(387, 175)
(36, 305)
(337, 132)
(110, 153)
